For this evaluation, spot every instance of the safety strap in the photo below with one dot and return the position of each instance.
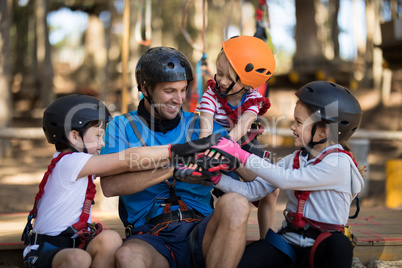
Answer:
(317, 241)
(81, 227)
(173, 199)
(135, 128)
(191, 127)
(263, 102)
(298, 220)
(279, 243)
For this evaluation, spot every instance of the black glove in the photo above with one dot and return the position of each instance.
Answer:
(254, 147)
(213, 164)
(194, 176)
(195, 146)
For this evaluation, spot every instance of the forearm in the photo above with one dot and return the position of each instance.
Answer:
(146, 158)
(253, 191)
(133, 182)
(246, 174)
(243, 125)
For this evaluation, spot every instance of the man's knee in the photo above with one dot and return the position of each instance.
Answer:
(234, 206)
(127, 253)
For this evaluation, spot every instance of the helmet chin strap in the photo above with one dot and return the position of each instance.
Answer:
(225, 94)
(311, 144)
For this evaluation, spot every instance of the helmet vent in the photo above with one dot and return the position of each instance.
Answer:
(344, 123)
(268, 73)
(354, 129)
(249, 67)
(310, 89)
(261, 71)
(170, 65)
(183, 64)
(332, 84)
(347, 91)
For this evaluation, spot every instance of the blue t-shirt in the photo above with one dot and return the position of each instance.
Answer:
(136, 208)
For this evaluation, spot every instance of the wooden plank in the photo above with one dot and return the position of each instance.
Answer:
(379, 233)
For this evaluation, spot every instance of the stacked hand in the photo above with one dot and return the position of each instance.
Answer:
(194, 174)
(231, 150)
(224, 155)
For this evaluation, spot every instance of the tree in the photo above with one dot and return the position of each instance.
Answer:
(5, 71)
(308, 54)
(43, 54)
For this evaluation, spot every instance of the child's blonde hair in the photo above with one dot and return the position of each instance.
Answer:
(232, 73)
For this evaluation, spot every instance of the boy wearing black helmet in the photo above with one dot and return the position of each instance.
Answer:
(62, 226)
(321, 180)
(169, 222)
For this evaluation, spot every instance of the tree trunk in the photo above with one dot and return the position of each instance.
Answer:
(308, 54)
(5, 72)
(334, 26)
(43, 53)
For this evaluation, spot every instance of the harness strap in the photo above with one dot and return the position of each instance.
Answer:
(264, 103)
(42, 184)
(173, 199)
(191, 127)
(135, 128)
(297, 219)
(279, 243)
(80, 227)
(318, 240)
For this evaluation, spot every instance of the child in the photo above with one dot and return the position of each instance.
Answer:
(62, 232)
(244, 64)
(320, 180)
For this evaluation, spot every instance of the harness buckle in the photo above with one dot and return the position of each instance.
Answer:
(127, 230)
(179, 214)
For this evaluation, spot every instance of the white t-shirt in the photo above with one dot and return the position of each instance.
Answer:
(63, 199)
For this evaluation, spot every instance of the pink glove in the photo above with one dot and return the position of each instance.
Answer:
(231, 150)
(216, 178)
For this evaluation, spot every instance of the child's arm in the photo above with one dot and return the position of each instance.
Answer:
(206, 124)
(131, 159)
(244, 123)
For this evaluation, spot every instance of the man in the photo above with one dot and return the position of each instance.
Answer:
(169, 222)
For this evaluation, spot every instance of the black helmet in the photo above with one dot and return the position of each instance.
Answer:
(334, 104)
(71, 112)
(162, 64)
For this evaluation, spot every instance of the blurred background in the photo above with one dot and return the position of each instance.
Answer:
(50, 48)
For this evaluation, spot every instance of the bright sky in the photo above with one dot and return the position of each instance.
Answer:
(66, 23)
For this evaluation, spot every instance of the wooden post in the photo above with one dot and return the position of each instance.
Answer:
(124, 55)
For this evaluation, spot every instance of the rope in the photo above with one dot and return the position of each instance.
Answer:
(138, 26)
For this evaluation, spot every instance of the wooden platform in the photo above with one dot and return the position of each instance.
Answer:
(379, 233)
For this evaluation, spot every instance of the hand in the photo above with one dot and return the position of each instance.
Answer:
(194, 175)
(232, 151)
(213, 161)
(193, 147)
(254, 147)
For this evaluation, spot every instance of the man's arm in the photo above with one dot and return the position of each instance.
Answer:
(133, 182)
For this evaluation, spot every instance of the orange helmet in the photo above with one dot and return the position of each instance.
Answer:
(251, 58)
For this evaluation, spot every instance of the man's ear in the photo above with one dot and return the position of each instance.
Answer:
(143, 91)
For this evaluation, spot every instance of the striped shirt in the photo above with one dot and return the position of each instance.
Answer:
(210, 104)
